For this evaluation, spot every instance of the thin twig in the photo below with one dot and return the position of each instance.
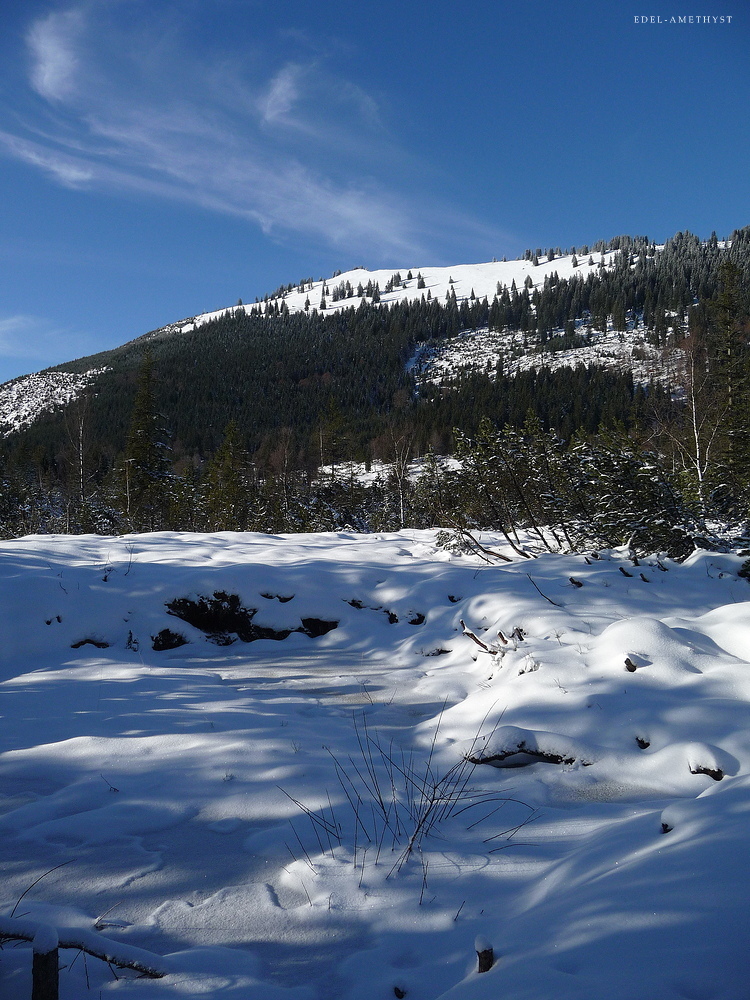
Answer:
(12, 912)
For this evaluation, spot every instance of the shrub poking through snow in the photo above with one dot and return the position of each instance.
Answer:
(394, 801)
(316, 626)
(223, 619)
(167, 639)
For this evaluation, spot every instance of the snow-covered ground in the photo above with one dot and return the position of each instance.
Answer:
(368, 474)
(295, 818)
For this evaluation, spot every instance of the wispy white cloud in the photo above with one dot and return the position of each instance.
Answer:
(51, 42)
(282, 93)
(69, 170)
(299, 152)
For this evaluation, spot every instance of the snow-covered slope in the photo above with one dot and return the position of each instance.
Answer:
(482, 279)
(24, 400)
(482, 350)
(293, 816)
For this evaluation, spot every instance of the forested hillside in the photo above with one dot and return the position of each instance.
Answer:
(223, 422)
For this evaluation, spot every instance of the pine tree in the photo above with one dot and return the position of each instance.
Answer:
(145, 469)
(227, 497)
(618, 316)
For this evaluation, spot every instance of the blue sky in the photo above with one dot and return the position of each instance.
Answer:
(159, 159)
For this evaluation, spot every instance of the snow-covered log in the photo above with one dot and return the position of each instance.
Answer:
(44, 973)
(485, 953)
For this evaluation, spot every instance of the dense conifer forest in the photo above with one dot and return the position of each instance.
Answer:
(227, 425)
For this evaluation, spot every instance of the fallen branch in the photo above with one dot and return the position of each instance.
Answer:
(493, 552)
(123, 956)
(482, 550)
(477, 640)
(544, 595)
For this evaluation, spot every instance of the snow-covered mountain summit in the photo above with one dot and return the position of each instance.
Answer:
(466, 280)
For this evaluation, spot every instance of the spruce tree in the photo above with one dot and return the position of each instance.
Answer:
(226, 493)
(145, 468)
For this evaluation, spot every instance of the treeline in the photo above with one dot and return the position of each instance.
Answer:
(302, 371)
(277, 486)
(662, 288)
(332, 386)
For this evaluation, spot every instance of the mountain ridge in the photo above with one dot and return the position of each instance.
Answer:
(25, 398)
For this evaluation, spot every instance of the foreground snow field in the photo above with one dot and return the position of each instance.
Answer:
(294, 817)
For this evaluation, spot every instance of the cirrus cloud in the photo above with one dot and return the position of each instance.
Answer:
(292, 148)
(51, 43)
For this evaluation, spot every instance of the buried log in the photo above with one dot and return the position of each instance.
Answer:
(713, 772)
(522, 756)
(485, 954)
(510, 746)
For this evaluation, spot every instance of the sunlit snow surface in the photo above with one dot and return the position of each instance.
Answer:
(167, 779)
(481, 351)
